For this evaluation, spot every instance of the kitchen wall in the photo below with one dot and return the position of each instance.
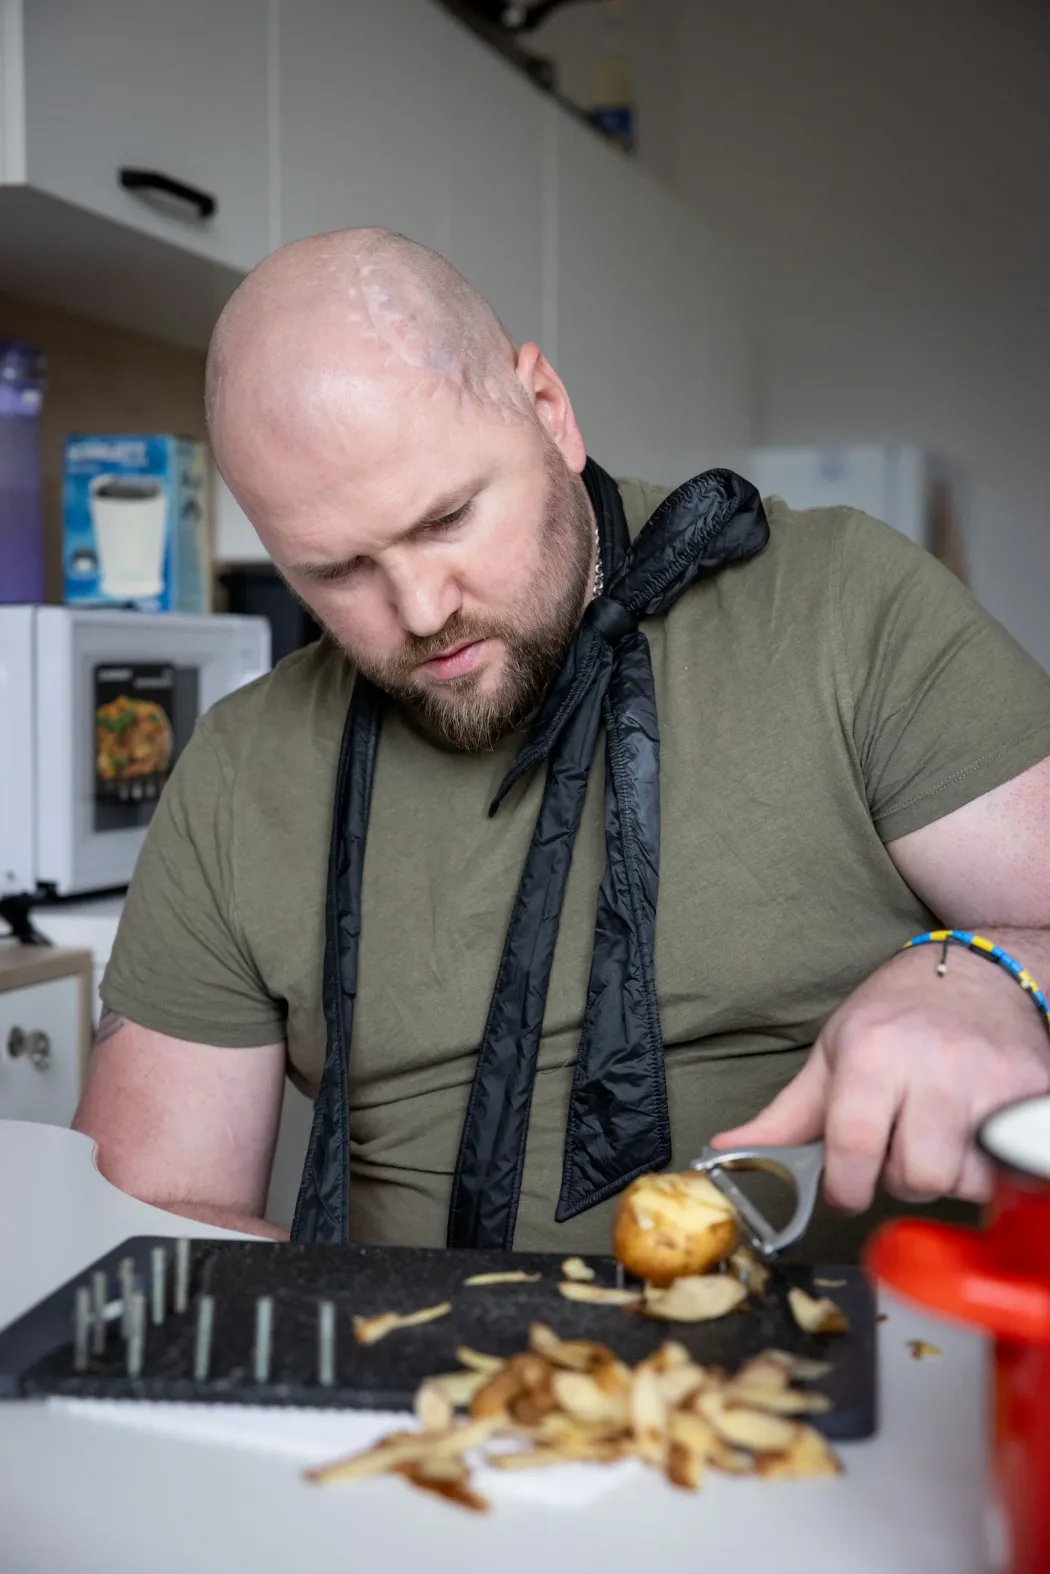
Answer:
(882, 168)
(101, 379)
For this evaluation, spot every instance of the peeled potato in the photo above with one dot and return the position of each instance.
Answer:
(668, 1226)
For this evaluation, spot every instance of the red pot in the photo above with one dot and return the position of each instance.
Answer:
(999, 1279)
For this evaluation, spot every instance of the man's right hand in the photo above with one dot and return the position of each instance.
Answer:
(187, 1127)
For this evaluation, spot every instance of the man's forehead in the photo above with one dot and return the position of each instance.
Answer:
(328, 511)
(327, 426)
(324, 544)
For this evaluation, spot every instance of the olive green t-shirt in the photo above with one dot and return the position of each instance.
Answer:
(836, 692)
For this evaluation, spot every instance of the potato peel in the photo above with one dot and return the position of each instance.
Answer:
(753, 1274)
(599, 1295)
(696, 1299)
(923, 1350)
(459, 1387)
(513, 1276)
(451, 1485)
(573, 1401)
(477, 1362)
(680, 1383)
(575, 1268)
(816, 1316)
(576, 1355)
(402, 1448)
(433, 1407)
(369, 1330)
(648, 1417)
(801, 1368)
(520, 1376)
(763, 1372)
(685, 1467)
(585, 1400)
(810, 1455)
(786, 1402)
(755, 1430)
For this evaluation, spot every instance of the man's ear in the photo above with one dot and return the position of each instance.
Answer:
(547, 394)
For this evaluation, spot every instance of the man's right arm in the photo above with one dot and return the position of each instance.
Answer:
(188, 1127)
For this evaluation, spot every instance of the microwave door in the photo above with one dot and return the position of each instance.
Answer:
(126, 689)
(76, 855)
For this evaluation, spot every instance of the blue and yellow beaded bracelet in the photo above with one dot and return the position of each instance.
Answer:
(991, 953)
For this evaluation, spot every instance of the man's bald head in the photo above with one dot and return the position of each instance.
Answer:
(412, 474)
(354, 315)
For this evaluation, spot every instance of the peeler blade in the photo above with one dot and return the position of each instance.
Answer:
(801, 1167)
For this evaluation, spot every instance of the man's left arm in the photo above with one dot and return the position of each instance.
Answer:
(909, 1065)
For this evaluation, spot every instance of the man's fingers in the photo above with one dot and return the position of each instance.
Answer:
(795, 1115)
(862, 1107)
(975, 1178)
(929, 1148)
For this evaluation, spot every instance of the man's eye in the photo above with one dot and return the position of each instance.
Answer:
(341, 573)
(450, 521)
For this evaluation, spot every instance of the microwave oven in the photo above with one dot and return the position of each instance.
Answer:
(95, 708)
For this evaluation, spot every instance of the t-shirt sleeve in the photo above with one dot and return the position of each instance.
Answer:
(179, 964)
(946, 704)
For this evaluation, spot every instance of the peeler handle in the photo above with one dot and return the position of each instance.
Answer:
(801, 1166)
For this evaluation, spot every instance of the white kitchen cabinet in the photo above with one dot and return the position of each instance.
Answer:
(496, 125)
(362, 93)
(44, 1032)
(396, 115)
(652, 337)
(94, 87)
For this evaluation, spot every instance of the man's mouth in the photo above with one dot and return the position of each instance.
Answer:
(456, 661)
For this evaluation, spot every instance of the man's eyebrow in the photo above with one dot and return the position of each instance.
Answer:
(440, 508)
(323, 573)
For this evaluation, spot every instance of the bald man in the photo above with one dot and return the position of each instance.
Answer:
(816, 747)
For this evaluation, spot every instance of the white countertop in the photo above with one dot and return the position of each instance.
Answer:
(80, 1496)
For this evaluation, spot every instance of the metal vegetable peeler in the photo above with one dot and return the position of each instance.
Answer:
(801, 1167)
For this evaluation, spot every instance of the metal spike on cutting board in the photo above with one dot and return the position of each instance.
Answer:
(158, 1285)
(263, 1345)
(99, 1294)
(182, 1275)
(202, 1338)
(81, 1327)
(135, 1349)
(126, 1272)
(326, 1343)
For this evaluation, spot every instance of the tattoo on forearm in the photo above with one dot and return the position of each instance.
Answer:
(109, 1024)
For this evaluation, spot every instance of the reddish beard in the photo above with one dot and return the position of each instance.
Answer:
(535, 636)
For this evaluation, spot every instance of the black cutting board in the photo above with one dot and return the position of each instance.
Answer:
(36, 1351)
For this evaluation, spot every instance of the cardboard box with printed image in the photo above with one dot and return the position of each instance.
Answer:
(137, 523)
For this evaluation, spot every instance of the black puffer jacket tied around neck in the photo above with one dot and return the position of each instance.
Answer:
(618, 1125)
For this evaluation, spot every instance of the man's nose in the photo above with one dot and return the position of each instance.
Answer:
(425, 595)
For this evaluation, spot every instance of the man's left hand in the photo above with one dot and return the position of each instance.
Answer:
(904, 1072)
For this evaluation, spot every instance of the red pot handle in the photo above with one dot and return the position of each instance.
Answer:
(951, 1270)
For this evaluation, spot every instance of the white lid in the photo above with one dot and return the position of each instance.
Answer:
(1019, 1136)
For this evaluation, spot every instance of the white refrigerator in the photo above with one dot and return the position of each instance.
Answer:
(916, 491)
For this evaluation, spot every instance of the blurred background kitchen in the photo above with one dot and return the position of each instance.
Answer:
(803, 239)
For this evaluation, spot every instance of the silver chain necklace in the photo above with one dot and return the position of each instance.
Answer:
(599, 572)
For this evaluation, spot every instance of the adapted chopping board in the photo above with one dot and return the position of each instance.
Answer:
(37, 1353)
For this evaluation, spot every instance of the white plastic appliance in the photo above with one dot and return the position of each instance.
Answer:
(902, 484)
(95, 707)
